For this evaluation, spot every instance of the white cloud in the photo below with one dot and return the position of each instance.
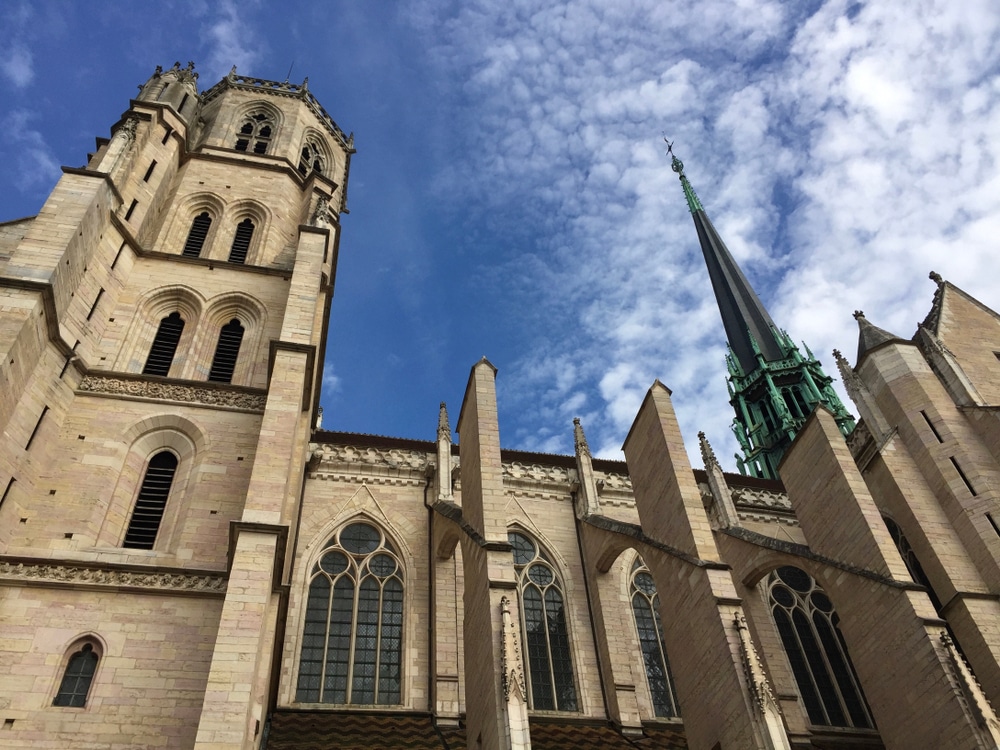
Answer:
(841, 155)
(17, 67)
(231, 41)
(34, 161)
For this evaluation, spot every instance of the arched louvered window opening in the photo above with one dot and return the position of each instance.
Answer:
(807, 624)
(910, 559)
(77, 679)
(226, 352)
(352, 641)
(197, 235)
(153, 493)
(255, 134)
(241, 242)
(311, 159)
(543, 622)
(646, 609)
(161, 353)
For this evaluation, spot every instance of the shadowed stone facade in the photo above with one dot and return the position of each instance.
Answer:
(185, 562)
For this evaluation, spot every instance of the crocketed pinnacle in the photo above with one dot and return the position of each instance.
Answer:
(444, 429)
(579, 439)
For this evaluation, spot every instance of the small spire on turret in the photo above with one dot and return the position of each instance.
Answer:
(707, 454)
(444, 428)
(579, 439)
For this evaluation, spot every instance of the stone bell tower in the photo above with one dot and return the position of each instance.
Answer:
(162, 325)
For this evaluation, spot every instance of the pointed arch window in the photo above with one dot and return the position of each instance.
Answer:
(543, 622)
(913, 565)
(241, 241)
(226, 352)
(352, 640)
(646, 609)
(161, 353)
(151, 501)
(311, 159)
(77, 679)
(807, 624)
(255, 133)
(197, 235)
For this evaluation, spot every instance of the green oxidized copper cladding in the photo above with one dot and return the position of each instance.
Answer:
(772, 387)
(694, 204)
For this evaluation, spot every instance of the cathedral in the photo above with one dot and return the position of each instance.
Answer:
(187, 562)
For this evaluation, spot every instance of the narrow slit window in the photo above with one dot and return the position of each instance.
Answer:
(6, 491)
(149, 172)
(152, 499)
(131, 210)
(196, 237)
(183, 102)
(118, 255)
(161, 353)
(989, 516)
(931, 425)
(961, 473)
(97, 301)
(241, 242)
(38, 424)
(166, 135)
(226, 352)
(77, 678)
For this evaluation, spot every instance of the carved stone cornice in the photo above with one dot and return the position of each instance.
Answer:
(54, 573)
(537, 473)
(337, 456)
(745, 497)
(157, 390)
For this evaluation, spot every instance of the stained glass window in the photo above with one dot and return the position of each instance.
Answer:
(353, 636)
(646, 609)
(543, 622)
(807, 624)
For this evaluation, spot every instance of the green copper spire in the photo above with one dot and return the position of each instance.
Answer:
(773, 388)
(677, 165)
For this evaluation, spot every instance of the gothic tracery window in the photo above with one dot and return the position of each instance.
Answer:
(646, 609)
(311, 159)
(543, 622)
(817, 653)
(353, 635)
(255, 133)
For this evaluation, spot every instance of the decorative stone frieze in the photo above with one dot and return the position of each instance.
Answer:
(160, 391)
(745, 497)
(114, 577)
(391, 458)
(536, 473)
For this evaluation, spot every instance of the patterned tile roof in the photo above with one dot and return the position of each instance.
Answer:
(338, 730)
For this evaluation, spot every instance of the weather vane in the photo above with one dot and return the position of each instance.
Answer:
(670, 145)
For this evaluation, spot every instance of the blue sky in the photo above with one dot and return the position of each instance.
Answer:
(510, 196)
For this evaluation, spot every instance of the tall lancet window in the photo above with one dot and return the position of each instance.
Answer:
(226, 352)
(161, 353)
(646, 608)
(543, 622)
(807, 624)
(311, 159)
(352, 641)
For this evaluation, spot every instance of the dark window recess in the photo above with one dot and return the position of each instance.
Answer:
(149, 172)
(310, 160)
(77, 678)
(148, 511)
(6, 491)
(196, 237)
(241, 242)
(255, 134)
(962, 474)
(183, 102)
(931, 425)
(97, 300)
(989, 516)
(118, 255)
(166, 135)
(226, 352)
(131, 209)
(45, 410)
(161, 353)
